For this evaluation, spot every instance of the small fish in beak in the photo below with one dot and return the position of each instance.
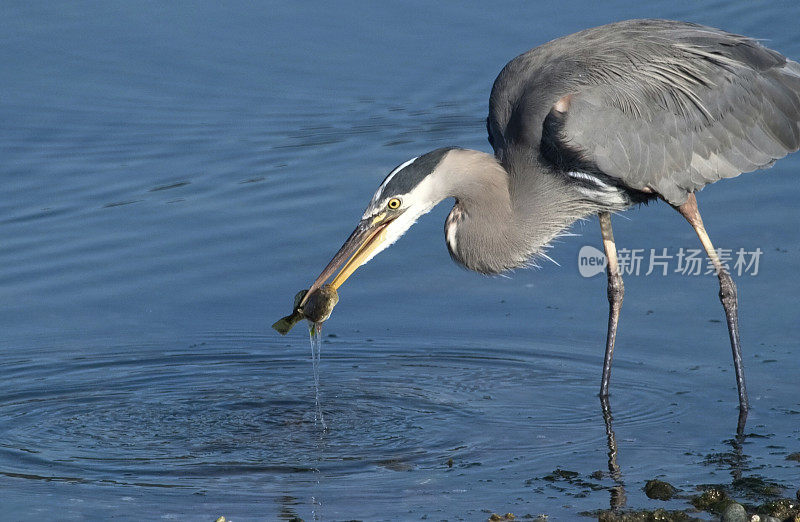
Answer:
(316, 304)
(317, 308)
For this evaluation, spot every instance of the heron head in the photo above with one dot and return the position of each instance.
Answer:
(409, 191)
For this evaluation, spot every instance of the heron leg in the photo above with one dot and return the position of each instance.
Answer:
(616, 291)
(727, 294)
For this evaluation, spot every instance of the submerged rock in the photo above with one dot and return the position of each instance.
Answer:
(783, 509)
(659, 490)
(712, 500)
(757, 487)
(561, 474)
(644, 515)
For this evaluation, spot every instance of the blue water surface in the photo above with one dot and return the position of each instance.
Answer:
(172, 173)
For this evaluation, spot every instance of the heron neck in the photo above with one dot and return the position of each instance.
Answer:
(505, 215)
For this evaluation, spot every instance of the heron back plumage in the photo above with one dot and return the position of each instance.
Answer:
(654, 106)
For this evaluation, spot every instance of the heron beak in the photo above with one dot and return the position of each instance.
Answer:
(367, 236)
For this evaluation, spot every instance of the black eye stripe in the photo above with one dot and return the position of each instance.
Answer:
(403, 180)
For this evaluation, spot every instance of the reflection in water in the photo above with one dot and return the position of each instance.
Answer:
(737, 453)
(735, 459)
(757, 493)
(618, 497)
(286, 507)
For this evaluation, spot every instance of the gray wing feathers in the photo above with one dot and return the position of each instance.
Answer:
(662, 106)
(706, 113)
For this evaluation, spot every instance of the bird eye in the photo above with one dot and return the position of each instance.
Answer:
(393, 204)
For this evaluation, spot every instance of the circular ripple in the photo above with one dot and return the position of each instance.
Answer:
(135, 414)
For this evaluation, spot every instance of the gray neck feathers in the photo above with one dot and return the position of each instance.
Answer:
(503, 218)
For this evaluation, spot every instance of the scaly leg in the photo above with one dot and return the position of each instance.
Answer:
(616, 291)
(727, 294)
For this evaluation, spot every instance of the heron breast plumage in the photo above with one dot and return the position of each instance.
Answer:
(451, 228)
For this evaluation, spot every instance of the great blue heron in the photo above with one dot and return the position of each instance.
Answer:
(593, 123)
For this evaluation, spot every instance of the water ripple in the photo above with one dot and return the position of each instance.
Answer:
(218, 410)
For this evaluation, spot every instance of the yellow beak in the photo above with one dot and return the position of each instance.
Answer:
(367, 236)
